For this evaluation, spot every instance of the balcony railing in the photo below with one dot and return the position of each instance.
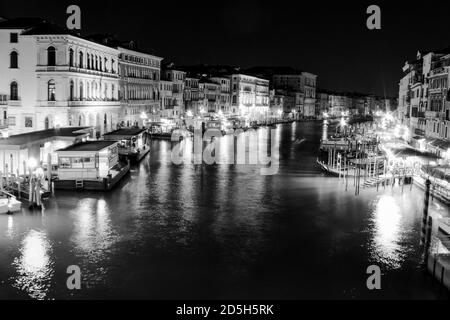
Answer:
(105, 73)
(438, 70)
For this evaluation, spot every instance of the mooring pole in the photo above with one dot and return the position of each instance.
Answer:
(426, 203)
(426, 251)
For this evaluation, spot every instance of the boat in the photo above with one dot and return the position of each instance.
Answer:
(8, 203)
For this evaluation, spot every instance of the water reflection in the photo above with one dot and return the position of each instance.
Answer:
(386, 222)
(220, 231)
(34, 266)
(93, 234)
(10, 229)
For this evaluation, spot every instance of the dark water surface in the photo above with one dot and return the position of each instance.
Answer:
(188, 232)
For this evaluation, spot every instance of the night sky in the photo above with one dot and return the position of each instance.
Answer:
(328, 39)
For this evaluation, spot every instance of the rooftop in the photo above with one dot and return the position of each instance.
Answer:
(125, 132)
(26, 138)
(89, 146)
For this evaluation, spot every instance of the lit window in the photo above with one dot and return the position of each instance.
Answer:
(28, 122)
(64, 163)
(51, 90)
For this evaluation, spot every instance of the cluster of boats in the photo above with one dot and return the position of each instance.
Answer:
(226, 127)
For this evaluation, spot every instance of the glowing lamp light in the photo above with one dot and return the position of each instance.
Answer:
(32, 163)
(189, 113)
(343, 123)
(280, 112)
(144, 116)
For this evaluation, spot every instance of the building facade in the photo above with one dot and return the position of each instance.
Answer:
(177, 78)
(301, 86)
(250, 96)
(55, 79)
(139, 95)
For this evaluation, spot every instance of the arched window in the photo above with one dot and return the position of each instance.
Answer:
(51, 90)
(88, 57)
(13, 60)
(105, 92)
(81, 91)
(51, 56)
(14, 91)
(71, 57)
(47, 123)
(71, 93)
(80, 59)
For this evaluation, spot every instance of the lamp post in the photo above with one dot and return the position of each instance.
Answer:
(144, 118)
(36, 174)
(32, 163)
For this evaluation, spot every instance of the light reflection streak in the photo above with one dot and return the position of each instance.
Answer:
(386, 247)
(34, 266)
(93, 235)
(10, 229)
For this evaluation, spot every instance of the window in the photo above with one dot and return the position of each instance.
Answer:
(81, 91)
(11, 121)
(13, 37)
(13, 62)
(51, 56)
(51, 90)
(64, 163)
(80, 60)
(71, 94)
(71, 57)
(14, 91)
(77, 163)
(89, 163)
(28, 122)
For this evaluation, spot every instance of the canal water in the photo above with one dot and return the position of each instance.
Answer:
(222, 231)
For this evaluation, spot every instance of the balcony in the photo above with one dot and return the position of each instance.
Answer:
(96, 103)
(106, 73)
(431, 114)
(438, 71)
(14, 103)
